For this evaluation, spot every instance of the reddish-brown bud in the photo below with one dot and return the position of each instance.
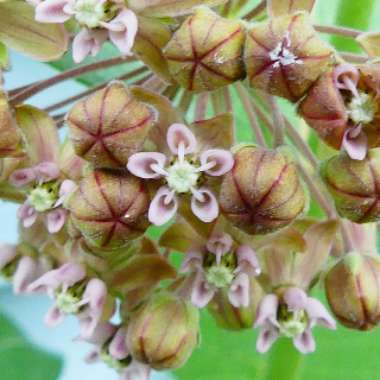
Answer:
(110, 126)
(109, 208)
(164, 332)
(263, 191)
(355, 185)
(205, 53)
(353, 288)
(284, 55)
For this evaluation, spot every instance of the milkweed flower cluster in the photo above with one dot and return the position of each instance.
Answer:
(165, 151)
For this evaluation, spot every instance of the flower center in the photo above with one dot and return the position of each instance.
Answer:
(70, 301)
(362, 108)
(291, 323)
(91, 13)
(182, 176)
(44, 196)
(282, 56)
(220, 275)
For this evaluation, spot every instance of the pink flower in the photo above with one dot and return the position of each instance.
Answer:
(46, 197)
(293, 316)
(214, 269)
(98, 20)
(182, 175)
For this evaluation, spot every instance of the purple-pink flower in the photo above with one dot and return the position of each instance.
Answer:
(45, 196)
(183, 173)
(99, 20)
(293, 316)
(219, 265)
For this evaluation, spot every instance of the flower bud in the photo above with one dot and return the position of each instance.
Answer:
(352, 289)
(109, 208)
(10, 138)
(263, 191)
(354, 185)
(233, 318)
(109, 126)
(284, 56)
(164, 332)
(205, 52)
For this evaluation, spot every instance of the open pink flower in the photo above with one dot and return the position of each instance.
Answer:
(183, 174)
(45, 196)
(293, 316)
(73, 294)
(100, 20)
(219, 265)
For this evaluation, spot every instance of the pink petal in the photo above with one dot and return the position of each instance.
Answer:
(22, 177)
(118, 347)
(100, 335)
(267, 310)
(67, 187)
(54, 317)
(204, 205)
(27, 215)
(219, 244)
(355, 144)
(92, 357)
(135, 371)
(55, 220)
(70, 273)
(143, 164)
(238, 293)
(88, 42)
(295, 299)
(25, 273)
(305, 342)
(193, 261)
(247, 261)
(8, 253)
(47, 283)
(177, 134)
(343, 71)
(223, 159)
(267, 336)
(47, 171)
(163, 206)
(123, 30)
(318, 314)
(201, 293)
(52, 11)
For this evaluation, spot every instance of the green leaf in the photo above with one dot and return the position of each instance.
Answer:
(20, 31)
(20, 360)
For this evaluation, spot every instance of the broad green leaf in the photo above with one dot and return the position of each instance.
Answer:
(20, 360)
(4, 57)
(20, 31)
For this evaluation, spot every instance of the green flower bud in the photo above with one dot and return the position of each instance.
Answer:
(164, 332)
(354, 185)
(205, 52)
(353, 288)
(109, 208)
(263, 191)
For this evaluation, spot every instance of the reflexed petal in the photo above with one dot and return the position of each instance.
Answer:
(305, 342)
(142, 164)
(100, 335)
(46, 171)
(52, 11)
(47, 283)
(88, 42)
(135, 371)
(247, 261)
(318, 314)
(27, 214)
(267, 336)
(357, 146)
(8, 252)
(267, 310)
(204, 205)
(163, 206)
(55, 220)
(54, 317)
(224, 161)
(70, 273)
(92, 357)
(346, 70)
(25, 273)
(67, 187)
(123, 30)
(22, 177)
(219, 244)
(193, 261)
(201, 293)
(118, 347)
(238, 293)
(179, 133)
(295, 299)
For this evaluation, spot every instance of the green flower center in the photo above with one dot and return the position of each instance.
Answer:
(292, 323)
(362, 109)
(222, 275)
(182, 176)
(91, 13)
(44, 196)
(70, 301)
